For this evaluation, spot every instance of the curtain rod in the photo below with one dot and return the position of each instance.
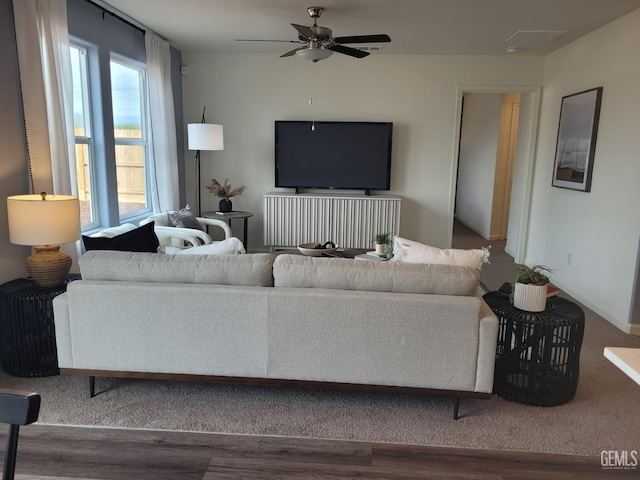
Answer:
(123, 17)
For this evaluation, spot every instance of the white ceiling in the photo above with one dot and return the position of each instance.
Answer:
(471, 27)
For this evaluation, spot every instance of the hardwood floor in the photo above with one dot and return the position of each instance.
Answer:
(48, 452)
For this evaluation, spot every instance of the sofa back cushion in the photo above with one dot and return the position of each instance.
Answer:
(240, 270)
(346, 274)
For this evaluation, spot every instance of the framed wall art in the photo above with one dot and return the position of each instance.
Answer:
(576, 144)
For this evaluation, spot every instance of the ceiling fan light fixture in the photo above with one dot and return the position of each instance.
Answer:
(314, 54)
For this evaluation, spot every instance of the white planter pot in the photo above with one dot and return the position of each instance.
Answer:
(530, 298)
(380, 247)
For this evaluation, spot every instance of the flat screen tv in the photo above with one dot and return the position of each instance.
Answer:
(335, 155)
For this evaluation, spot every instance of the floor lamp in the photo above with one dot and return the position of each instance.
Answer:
(204, 136)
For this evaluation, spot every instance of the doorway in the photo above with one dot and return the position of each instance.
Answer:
(513, 180)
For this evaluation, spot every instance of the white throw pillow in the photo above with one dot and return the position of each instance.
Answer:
(115, 231)
(230, 246)
(409, 251)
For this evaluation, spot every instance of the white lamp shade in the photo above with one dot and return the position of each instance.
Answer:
(34, 221)
(205, 136)
(314, 54)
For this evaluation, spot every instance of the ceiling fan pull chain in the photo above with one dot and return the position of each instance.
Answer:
(313, 89)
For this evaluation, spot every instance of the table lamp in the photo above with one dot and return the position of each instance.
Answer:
(44, 222)
(204, 136)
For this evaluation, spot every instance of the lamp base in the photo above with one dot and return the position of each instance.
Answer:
(49, 266)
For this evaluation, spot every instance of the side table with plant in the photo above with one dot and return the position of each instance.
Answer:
(224, 192)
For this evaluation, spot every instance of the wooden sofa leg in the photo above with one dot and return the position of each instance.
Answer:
(92, 386)
(456, 407)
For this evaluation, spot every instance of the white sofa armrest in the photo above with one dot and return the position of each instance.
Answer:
(216, 223)
(177, 236)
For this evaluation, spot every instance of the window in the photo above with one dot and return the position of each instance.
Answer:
(83, 137)
(111, 140)
(130, 139)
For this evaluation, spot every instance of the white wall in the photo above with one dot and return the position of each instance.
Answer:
(477, 164)
(599, 229)
(247, 92)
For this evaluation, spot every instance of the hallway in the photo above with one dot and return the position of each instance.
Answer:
(501, 267)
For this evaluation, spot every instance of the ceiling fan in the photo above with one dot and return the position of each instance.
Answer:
(318, 42)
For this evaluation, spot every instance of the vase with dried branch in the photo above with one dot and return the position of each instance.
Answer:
(224, 191)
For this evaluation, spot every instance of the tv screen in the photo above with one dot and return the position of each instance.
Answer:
(342, 155)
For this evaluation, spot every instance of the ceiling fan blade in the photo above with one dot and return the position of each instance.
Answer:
(292, 52)
(303, 30)
(252, 40)
(353, 52)
(363, 39)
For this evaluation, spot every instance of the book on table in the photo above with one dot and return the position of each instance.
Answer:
(371, 258)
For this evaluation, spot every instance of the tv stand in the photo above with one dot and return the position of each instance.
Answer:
(348, 220)
(367, 191)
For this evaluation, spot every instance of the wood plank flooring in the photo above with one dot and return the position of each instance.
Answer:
(48, 452)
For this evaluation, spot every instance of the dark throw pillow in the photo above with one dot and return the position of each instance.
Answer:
(184, 218)
(142, 239)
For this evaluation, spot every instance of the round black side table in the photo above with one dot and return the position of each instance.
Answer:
(538, 353)
(27, 331)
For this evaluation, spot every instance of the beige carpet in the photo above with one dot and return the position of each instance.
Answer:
(604, 415)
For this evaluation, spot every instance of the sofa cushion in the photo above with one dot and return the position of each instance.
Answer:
(141, 239)
(346, 274)
(409, 251)
(239, 270)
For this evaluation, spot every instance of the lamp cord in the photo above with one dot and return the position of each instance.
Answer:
(24, 118)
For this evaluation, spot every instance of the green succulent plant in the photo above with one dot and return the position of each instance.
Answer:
(382, 238)
(534, 275)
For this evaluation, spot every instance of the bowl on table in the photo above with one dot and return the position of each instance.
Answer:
(310, 249)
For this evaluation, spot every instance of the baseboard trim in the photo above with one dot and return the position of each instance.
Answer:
(634, 329)
(272, 382)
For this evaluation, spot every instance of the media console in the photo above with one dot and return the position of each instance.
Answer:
(350, 221)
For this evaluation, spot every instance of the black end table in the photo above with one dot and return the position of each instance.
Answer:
(27, 330)
(538, 353)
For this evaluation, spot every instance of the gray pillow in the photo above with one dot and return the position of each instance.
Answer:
(184, 218)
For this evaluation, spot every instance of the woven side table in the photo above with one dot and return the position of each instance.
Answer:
(27, 331)
(538, 353)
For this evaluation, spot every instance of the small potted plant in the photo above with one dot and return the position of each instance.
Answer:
(224, 192)
(529, 290)
(382, 240)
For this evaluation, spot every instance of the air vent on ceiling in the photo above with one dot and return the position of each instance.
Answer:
(374, 48)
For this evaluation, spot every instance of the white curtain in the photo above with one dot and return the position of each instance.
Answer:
(42, 38)
(47, 92)
(164, 155)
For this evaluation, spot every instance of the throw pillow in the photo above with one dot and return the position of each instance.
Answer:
(230, 246)
(184, 218)
(409, 251)
(114, 231)
(141, 239)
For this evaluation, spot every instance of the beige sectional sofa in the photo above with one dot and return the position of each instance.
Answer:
(285, 319)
